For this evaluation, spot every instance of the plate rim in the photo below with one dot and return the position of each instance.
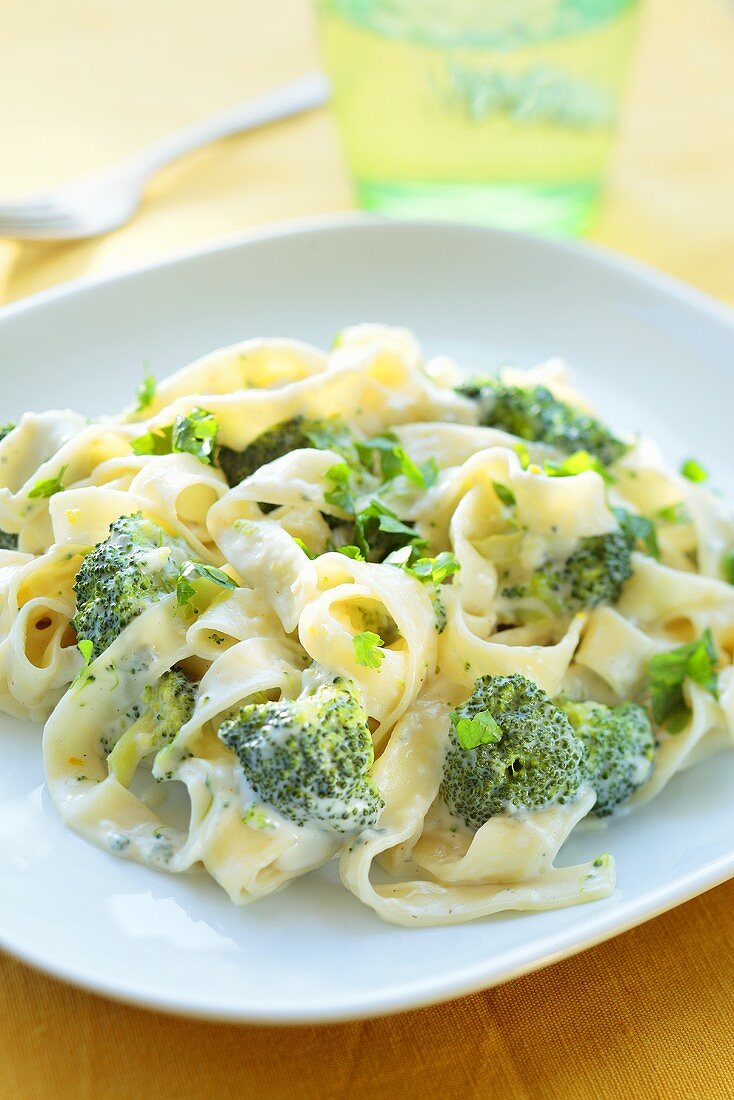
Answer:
(409, 997)
(604, 923)
(601, 255)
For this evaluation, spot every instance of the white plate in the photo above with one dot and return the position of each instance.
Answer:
(657, 355)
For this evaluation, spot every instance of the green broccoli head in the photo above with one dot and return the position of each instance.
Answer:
(533, 413)
(591, 576)
(291, 435)
(168, 704)
(620, 749)
(159, 714)
(310, 757)
(136, 565)
(509, 746)
(595, 573)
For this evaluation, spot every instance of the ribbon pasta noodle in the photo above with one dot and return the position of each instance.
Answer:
(294, 606)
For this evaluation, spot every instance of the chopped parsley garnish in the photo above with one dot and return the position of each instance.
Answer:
(193, 571)
(196, 434)
(523, 454)
(674, 513)
(429, 472)
(578, 463)
(49, 486)
(352, 552)
(394, 461)
(302, 546)
(340, 496)
(504, 495)
(481, 729)
(377, 517)
(145, 392)
(367, 649)
(640, 530)
(156, 442)
(727, 566)
(693, 470)
(436, 570)
(86, 648)
(668, 672)
(193, 434)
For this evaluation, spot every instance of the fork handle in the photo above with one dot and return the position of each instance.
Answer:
(291, 99)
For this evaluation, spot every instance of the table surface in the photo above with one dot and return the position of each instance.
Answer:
(86, 82)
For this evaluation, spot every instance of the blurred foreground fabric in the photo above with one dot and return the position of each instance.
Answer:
(649, 1014)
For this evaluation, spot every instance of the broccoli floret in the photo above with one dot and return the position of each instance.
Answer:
(272, 444)
(163, 708)
(620, 749)
(536, 415)
(6, 429)
(310, 757)
(280, 440)
(509, 746)
(591, 576)
(137, 565)
(595, 573)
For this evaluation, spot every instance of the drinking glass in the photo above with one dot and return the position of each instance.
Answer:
(497, 111)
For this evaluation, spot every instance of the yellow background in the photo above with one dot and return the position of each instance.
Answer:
(83, 82)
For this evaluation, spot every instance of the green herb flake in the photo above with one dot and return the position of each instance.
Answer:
(436, 570)
(578, 463)
(86, 648)
(377, 517)
(523, 454)
(302, 546)
(145, 392)
(430, 472)
(394, 461)
(669, 671)
(196, 434)
(481, 729)
(49, 486)
(505, 495)
(340, 495)
(367, 649)
(640, 530)
(693, 470)
(674, 513)
(185, 592)
(352, 552)
(193, 570)
(727, 566)
(156, 442)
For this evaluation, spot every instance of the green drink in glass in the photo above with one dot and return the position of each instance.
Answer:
(497, 111)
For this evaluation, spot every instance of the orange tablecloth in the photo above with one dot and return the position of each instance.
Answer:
(81, 83)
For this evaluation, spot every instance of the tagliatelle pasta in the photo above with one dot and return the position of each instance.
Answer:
(299, 605)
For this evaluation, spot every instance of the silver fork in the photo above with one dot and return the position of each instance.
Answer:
(109, 198)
